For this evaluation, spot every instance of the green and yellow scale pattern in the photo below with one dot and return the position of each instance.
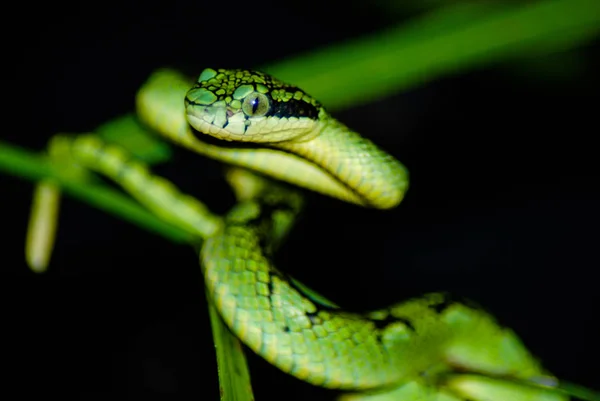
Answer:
(416, 341)
(323, 345)
(329, 347)
(326, 156)
(232, 85)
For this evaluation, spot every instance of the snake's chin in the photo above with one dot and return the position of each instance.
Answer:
(238, 129)
(203, 126)
(218, 122)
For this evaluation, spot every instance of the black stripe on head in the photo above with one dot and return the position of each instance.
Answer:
(292, 108)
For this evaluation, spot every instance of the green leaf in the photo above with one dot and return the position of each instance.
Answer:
(435, 45)
(234, 376)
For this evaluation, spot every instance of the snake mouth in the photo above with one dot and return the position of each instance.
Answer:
(229, 124)
(219, 121)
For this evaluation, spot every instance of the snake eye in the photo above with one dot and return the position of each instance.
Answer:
(256, 104)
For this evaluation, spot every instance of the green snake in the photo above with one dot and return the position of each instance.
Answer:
(431, 348)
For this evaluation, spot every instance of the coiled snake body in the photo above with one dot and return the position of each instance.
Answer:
(431, 348)
(299, 142)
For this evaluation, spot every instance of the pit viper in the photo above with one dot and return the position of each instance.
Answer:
(431, 348)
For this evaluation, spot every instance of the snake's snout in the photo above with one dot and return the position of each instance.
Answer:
(217, 120)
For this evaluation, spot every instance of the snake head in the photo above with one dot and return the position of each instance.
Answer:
(244, 105)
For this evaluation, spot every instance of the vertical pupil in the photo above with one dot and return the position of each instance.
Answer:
(254, 105)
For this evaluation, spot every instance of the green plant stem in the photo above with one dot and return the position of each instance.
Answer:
(25, 164)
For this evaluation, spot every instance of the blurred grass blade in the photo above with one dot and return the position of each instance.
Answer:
(43, 222)
(578, 391)
(21, 163)
(142, 143)
(313, 295)
(234, 376)
(366, 69)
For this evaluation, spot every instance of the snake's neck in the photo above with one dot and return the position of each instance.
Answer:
(372, 174)
(331, 159)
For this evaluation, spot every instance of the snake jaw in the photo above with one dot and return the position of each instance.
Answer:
(208, 119)
(227, 123)
(218, 120)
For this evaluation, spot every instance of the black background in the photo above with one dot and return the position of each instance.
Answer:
(503, 205)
